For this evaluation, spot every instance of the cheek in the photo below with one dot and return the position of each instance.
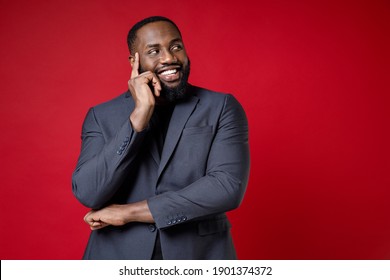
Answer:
(147, 64)
(183, 58)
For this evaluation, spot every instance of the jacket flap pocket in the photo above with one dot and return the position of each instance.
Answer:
(213, 226)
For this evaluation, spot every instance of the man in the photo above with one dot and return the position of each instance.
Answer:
(162, 163)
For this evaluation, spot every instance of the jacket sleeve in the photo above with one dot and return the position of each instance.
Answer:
(223, 187)
(102, 163)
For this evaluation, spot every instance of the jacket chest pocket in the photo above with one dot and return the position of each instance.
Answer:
(199, 130)
(194, 145)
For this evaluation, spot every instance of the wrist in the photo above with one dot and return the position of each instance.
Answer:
(140, 118)
(128, 213)
(137, 212)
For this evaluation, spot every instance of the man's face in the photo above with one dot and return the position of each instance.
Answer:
(161, 51)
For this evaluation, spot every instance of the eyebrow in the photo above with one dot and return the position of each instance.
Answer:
(157, 45)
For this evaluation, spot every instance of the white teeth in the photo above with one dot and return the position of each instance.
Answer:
(169, 72)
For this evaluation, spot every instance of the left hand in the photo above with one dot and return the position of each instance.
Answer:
(114, 215)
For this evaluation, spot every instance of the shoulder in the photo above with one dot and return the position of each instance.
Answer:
(114, 103)
(203, 93)
(114, 107)
(213, 97)
(110, 112)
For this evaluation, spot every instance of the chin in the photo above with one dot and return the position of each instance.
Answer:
(173, 94)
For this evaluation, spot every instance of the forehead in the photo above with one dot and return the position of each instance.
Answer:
(159, 32)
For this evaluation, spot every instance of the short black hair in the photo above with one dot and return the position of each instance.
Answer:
(132, 35)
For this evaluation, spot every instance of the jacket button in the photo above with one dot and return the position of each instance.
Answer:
(169, 223)
(184, 218)
(152, 228)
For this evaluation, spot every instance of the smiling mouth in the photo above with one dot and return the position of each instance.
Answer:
(170, 75)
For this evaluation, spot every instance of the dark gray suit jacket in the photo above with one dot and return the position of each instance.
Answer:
(202, 173)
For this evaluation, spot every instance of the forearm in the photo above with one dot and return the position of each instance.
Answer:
(214, 193)
(138, 212)
(119, 215)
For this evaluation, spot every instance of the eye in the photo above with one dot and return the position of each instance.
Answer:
(177, 47)
(153, 52)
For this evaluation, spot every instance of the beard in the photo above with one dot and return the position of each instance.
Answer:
(177, 93)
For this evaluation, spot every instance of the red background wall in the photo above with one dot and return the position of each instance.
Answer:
(313, 77)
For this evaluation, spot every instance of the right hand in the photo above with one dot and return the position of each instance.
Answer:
(143, 96)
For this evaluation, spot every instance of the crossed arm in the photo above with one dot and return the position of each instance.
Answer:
(119, 215)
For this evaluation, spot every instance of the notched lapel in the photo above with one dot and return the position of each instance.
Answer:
(179, 118)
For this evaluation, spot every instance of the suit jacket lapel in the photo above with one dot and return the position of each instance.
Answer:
(179, 118)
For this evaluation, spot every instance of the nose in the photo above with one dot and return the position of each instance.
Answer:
(167, 57)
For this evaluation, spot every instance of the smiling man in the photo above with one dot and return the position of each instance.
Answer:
(162, 163)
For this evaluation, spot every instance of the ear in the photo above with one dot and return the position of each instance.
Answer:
(131, 60)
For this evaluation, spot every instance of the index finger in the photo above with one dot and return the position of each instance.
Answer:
(87, 216)
(134, 68)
